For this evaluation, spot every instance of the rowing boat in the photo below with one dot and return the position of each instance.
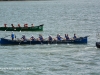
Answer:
(32, 28)
(81, 40)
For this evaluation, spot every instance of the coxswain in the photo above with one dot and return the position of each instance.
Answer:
(50, 38)
(12, 35)
(32, 38)
(66, 37)
(40, 37)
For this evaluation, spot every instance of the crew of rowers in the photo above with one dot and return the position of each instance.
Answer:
(58, 38)
(25, 25)
(40, 38)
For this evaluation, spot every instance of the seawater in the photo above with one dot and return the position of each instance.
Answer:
(59, 17)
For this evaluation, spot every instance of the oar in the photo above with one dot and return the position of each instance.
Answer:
(6, 36)
(21, 29)
(6, 29)
(87, 36)
(84, 37)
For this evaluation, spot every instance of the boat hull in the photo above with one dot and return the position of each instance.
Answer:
(98, 44)
(82, 40)
(35, 28)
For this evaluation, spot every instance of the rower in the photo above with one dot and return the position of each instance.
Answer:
(5, 25)
(25, 25)
(40, 37)
(18, 25)
(66, 37)
(23, 37)
(12, 25)
(32, 25)
(74, 36)
(59, 38)
(50, 38)
(32, 38)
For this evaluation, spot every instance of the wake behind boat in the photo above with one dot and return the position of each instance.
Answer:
(81, 40)
(24, 28)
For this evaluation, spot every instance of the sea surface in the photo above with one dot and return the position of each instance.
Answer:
(59, 17)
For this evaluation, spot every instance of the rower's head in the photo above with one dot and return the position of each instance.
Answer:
(40, 35)
(59, 34)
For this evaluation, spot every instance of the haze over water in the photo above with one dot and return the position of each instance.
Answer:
(59, 17)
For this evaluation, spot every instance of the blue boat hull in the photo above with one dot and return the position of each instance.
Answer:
(81, 40)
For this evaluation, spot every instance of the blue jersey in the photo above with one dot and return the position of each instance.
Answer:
(58, 38)
(12, 35)
(74, 37)
(67, 38)
(50, 38)
(41, 38)
(32, 38)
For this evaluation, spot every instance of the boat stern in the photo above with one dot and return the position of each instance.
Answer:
(81, 40)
